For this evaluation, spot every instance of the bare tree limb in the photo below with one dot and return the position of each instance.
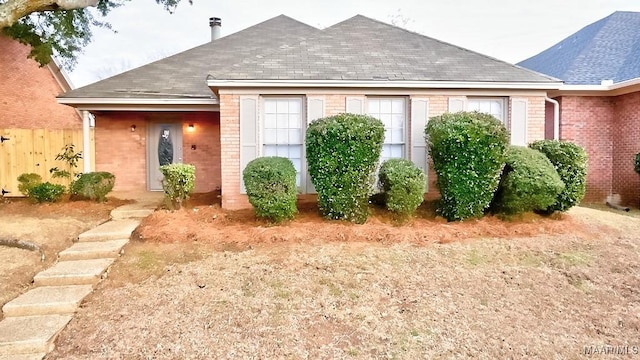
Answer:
(13, 10)
(21, 244)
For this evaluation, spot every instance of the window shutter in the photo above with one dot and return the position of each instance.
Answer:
(519, 122)
(457, 104)
(355, 105)
(315, 110)
(419, 118)
(248, 133)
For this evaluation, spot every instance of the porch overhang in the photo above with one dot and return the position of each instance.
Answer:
(615, 89)
(142, 104)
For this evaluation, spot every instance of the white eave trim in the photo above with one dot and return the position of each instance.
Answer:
(382, 84)
(615, 89)
(136, 101)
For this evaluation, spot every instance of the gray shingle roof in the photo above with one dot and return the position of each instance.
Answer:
(364, 49)
(282, 48)
(608, 49)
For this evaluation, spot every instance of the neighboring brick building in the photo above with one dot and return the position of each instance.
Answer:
(599, 104)
(28, 92)
(252, 94)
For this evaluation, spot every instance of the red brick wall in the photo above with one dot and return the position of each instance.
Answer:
(587, 121)
(28, 92)
(626, 143)
(124, 153)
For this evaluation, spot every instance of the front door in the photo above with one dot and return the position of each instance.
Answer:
(164, 147)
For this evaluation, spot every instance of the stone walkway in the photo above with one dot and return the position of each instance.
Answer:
(33, 320)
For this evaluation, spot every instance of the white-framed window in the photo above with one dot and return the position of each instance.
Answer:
(492, 106)
(392, 111)
(283, 132)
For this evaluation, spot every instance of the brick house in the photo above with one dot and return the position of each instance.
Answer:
(599, 103)
(252, 93)
(28, 104)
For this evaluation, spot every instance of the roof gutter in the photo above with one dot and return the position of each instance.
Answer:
(214, 83)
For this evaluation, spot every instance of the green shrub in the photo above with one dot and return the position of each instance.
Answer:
(529, 182)
(403, 185)
(28, 181)
(342, 153)
(46, 192)
(178, 182)
(271, 187)
(636, 163)
(93, 185)
(570, 161)
(468, 152)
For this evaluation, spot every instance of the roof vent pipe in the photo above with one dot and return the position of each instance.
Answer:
(216, 25)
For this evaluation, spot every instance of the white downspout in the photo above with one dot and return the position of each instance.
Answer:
(556, 118)
(86, 141)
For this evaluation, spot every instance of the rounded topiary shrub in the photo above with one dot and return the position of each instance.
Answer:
(271, 187)
(28, 181)
(468, 152)
(342, 155)
(93, 186)
(178, 182)
(403, 186)
(570, 161)
(529, 182)
(46, 192)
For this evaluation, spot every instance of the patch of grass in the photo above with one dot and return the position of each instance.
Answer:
(353, 352)
(147, 260)
(530, 259)
(475, 258)
(334, 290)
(575, 258)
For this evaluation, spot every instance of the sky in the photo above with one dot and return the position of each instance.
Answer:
(510, 30)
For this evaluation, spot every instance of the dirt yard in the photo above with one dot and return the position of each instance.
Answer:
(50, 226)
(202, 283)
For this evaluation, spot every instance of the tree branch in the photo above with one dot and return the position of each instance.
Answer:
(13, 10)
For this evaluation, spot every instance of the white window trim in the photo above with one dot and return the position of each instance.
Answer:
(505, 106)
(407, 124)
(302, 189)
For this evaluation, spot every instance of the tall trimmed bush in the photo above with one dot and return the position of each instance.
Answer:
(468, 152)
(343, 153)
(27, 181)
(529, 182)
(570, 161)
(271, 187)
(93, 186)
(403, 186)
(178, 183)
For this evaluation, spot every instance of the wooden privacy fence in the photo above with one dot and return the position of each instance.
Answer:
(34, 151)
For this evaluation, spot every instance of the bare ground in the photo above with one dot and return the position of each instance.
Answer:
(53, 227)
(208, 284)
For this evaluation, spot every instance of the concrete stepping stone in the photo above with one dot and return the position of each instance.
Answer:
(111, 230)
(93, 250)
(30, 334)
(47, 300)
(131, 211)
(39, 356)
(74, 272)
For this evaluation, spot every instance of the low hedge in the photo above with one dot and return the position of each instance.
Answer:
(178, 183)
(468, 152)
(93, 186)
(27, 181)
(529, 182)
(570, 161)
(46, 192)
(343, 152)
(271, 187)
(403, 186)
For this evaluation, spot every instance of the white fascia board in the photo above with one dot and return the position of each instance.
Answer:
(135, 101)
(383, 84)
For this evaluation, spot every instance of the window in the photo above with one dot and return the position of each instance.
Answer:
(393, 113)
(283, 131)
(493, 106)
